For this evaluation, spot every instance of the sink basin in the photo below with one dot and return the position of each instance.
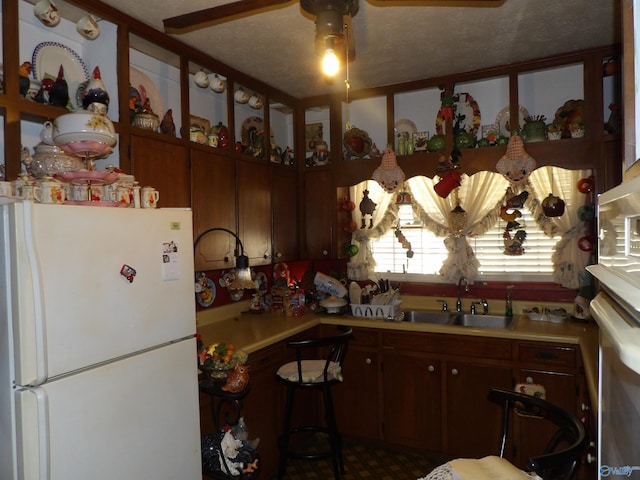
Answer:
(425, 316)
(484, 321)
(459, 319)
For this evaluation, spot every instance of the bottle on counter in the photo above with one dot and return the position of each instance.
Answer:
(508, 308)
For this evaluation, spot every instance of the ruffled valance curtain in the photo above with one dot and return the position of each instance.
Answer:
(362, 265)
(569, 261)
(479, 196)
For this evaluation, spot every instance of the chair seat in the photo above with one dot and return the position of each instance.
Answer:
(487, 468)
(312, 371)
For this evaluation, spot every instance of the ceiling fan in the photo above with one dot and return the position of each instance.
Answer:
(332, 17)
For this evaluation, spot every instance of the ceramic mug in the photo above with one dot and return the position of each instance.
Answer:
(149, 197)
(88, 27)
(255, 102)
(217, 84)
(241, 96)
(49, 191)
(5, 189)
(29, 191)
(47, 13)
(201, 79)
(81, 193)
(123, 195)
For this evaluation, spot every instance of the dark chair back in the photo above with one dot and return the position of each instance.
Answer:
(332, 350)
(564, 450)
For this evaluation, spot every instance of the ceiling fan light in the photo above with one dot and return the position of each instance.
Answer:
(330, 63)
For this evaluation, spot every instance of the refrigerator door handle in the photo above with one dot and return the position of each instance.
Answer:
(33, 432)
(34, 270)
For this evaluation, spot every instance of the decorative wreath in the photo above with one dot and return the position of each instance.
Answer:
(440, 118)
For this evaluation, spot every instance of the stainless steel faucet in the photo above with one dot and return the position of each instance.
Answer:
(466, 289)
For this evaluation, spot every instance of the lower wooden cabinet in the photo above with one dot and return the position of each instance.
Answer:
(412, 410)
(357, 399)
(473, 422)
(264, 405)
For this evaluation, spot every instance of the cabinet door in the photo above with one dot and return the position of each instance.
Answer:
(164, 166)
(474, 423)
(561, 389)
(284, 198)
(214, 205)
(264, 405)
(356, 400)
(412, 400)
(254, 211)
(319, 218)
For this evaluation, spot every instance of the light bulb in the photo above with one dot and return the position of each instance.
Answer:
(330, 64)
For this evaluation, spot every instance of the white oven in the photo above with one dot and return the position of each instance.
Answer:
(616, 309)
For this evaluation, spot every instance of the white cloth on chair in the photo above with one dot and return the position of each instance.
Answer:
(487, 468)
(312, 371)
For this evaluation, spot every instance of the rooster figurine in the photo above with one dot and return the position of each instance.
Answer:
(238, 379)
(96, 92)
(24, 70)
(59, 94)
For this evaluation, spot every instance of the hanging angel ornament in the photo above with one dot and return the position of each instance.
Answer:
(389, 175)
(516, 165)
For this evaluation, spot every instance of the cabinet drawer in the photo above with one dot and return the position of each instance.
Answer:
(362, 337)
(548, 354)
(445, 344)
(268, 358)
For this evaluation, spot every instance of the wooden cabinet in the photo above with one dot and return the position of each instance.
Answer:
(435, 391)
(214, 193)
(285, 203)
(412, 409)
(254, 210)
(264, 405)
(473, 422)
(319, 213)
(555, 367)
(164, 166)
(357, 400)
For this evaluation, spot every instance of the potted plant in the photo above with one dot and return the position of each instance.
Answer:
(576, 129)
(554, 131)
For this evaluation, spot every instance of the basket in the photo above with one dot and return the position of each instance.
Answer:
(369, 310)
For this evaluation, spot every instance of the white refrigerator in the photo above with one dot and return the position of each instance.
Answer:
(98, 372)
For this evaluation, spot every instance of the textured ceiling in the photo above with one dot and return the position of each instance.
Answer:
(393, 44)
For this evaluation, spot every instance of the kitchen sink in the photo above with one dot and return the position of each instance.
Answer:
(459, 319)
(484, 321)
(426, 316)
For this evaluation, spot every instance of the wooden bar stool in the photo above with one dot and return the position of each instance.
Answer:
(318, 373)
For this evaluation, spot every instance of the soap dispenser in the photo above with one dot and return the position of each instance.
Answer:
(508, 308)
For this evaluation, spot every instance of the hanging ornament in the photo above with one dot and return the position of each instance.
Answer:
(510, 214)
(389, 175)
(404, 242)
(367, 206)
(516, 165)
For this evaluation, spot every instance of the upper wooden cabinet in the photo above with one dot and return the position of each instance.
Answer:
(214, 205)
(165, 166)
(254, 210)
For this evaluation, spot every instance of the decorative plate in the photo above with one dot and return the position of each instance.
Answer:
(81, 177)
(146, 89)
(46, 60)
(207, 293)
(502, 119)
(463, 106)
(404, 125)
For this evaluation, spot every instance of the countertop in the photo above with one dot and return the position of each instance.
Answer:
(251, 332)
